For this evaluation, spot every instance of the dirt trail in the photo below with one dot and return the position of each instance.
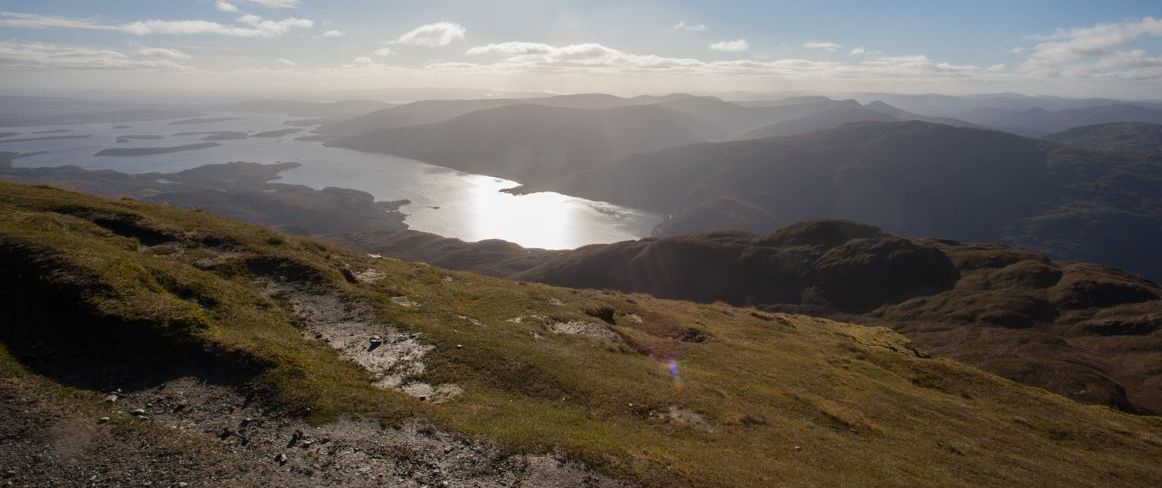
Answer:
(187, 431)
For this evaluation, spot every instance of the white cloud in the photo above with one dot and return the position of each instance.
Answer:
(273, 3)
(683, 26)
(823, 45)
(225, 6)
(511, 49)
(1092, 52)
(362, 60)
(735, 46)
(433, 35)
(284, 62)
(334, 33)
(863, 51)
(21, 20)
(252, 25)
(161, 52)
(383, 51)
(1016, 50)
(39, 55)
(534, 57)
(538, 56)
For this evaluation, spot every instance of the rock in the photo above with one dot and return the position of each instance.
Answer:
(205, 263)
(137, 412)
(280, 459)
(102, 420)
(111, 398)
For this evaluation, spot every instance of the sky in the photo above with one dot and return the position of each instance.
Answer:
(1063, 47)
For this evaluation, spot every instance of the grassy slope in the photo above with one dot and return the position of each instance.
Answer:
(859, 404)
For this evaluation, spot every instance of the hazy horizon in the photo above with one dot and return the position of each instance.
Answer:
(306, 48)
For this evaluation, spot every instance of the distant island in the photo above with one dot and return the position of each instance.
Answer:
(45, 138)
(276, 133)
(203, 120)
(148, 151)
(139, 137)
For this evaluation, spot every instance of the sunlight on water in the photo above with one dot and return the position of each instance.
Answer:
(542, 219)
(443, 201)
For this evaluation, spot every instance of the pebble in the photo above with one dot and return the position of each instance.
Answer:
(103, 419)
(137, 412)
(280, 459)
(111, 398)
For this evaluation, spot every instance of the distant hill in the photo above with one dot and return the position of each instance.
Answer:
(1086, 331)
(833, 115)
(531, 142)
(910, 178)
(1116, 136)
(1038, 121)
(431, 111)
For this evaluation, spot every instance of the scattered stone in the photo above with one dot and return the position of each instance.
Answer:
(205, 263)
(280, 459)
(137, 412)
(111, 398)
(585, 329)
(103, 420)
(369, 276)
(404, 302)
(426, 393)
(470, 320)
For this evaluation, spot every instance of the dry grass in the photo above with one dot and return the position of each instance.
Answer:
(776, 400)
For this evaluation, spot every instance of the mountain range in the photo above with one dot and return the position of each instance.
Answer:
(1090, 332)
(910, 178)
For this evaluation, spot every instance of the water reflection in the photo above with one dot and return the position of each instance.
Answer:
(542, 219)
(446, 202)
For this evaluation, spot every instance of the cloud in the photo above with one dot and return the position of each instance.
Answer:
(540, 57)
(534, 57)
(383, 51)
(863, 51)
(161, 52)
(274, 3)
(1092, 52)
(683, 26)
(511, 49)
(823, 45)
(39, 55)
(225, 6)
(735, 46)
(251, 25)
(334, 33)
(433, 35)
(21, 20)
(284, 62)
(1016, 50)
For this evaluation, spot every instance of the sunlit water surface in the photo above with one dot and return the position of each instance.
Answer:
(444, 201)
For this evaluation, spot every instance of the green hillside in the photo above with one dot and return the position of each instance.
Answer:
(155, 306)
